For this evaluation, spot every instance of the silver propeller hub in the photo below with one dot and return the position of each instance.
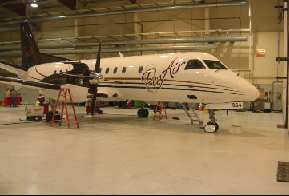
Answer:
(97, 78)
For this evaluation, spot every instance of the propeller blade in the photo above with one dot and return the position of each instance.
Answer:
(93, 101)
(97, 63)
(96, 70)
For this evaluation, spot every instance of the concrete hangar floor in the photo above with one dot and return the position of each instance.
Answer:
(120, 153)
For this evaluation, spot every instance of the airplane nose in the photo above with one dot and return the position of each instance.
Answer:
(256, 93)
(250, 92)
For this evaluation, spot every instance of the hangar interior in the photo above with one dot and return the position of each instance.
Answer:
(119, 153)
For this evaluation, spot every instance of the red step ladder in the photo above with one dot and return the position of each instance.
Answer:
(161, 107)
(66, 92)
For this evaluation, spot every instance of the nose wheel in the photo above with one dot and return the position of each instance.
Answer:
(212, 126)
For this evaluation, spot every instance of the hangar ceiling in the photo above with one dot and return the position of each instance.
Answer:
(65, 10)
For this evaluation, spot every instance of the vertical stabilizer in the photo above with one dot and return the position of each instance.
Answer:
(30, 52)
(29, 47)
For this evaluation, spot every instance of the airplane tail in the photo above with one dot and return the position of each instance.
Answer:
(30, 52)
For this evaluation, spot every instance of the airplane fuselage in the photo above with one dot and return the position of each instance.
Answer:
(160, 77)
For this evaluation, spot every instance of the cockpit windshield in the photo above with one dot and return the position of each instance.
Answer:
(195, 64)
(214, 64)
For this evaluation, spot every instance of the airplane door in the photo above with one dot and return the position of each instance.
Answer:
(150, 79)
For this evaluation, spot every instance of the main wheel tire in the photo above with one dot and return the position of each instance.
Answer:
(28, 118)
(217, 127)
(32, 118)
(145, 113)
(39, 118)
(140, 113)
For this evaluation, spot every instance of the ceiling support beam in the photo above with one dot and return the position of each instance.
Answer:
(132, 42)
(71, 4)
(18, 8)
(115, 50)
(5, 1)
(156, 9)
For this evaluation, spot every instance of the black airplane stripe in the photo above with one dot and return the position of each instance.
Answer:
(140, 87)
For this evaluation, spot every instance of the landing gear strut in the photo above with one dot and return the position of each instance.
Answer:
(211, 126)
(142, 112)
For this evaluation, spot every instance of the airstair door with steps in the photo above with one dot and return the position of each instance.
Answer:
(195, 114)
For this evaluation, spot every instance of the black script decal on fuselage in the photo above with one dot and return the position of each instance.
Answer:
(158, 81)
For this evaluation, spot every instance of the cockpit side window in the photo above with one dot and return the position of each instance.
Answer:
(195, 64)
(214, 64)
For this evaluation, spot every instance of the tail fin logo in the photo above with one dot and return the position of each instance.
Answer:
(28, 52)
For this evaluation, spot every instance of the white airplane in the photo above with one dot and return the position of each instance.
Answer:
(191, 77)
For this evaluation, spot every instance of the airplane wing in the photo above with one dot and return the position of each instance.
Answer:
(13, 69)
(29, 84)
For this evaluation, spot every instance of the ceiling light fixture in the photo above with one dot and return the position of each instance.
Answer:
(34, 5)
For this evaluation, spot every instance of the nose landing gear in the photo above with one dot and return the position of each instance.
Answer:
(212, 126)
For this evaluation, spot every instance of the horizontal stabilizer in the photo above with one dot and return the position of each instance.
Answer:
(28, 84)
(13, 69)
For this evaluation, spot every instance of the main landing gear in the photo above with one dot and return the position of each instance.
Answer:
(211, 126)
(142, 112)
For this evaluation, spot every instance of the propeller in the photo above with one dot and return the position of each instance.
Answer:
(99, 79)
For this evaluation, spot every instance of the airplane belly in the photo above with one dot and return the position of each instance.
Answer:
(78, 94)
(172, 95)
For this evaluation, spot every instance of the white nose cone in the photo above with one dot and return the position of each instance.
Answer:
(255, 93)
(250, 92)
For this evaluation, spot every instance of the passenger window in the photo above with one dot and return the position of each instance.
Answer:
(140, 69)
(107, 70)
(124, 69)
(115, 70)
(195, 64)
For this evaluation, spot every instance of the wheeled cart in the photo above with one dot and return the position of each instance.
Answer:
(34, 112)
